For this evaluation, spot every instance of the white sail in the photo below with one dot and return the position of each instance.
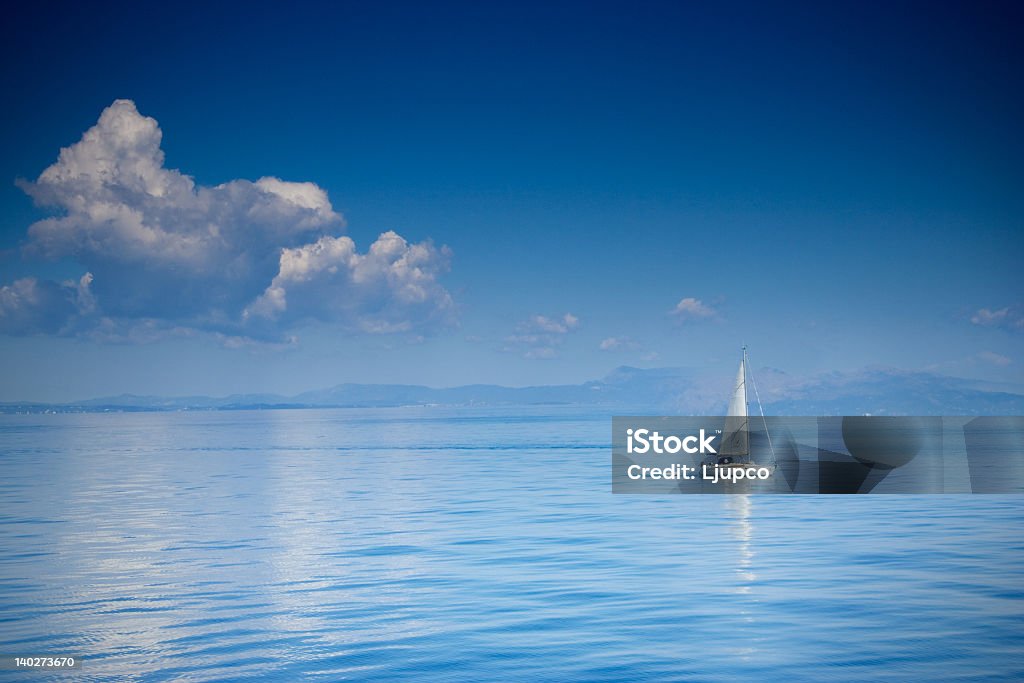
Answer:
(735, 440)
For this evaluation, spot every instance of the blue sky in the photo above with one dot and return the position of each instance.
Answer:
(576, 186)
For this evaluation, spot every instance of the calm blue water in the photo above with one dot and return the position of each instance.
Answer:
(436, 544)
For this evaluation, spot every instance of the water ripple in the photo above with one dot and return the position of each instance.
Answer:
(412, 544)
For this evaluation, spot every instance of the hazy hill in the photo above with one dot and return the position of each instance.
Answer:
(625, 390)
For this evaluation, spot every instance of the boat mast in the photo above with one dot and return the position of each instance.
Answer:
(744, 364)
(759, 406)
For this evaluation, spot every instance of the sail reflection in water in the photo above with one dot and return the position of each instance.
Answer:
(742, 531)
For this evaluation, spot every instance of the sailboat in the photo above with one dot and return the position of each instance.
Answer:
(735, 448)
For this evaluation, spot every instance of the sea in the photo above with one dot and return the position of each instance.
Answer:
(470, 544)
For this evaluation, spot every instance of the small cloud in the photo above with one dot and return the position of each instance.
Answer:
(994, 358)
(554, 325)
(618, 344)
(1008, 317)
(539, 336)
(622, 344)
(690, 308)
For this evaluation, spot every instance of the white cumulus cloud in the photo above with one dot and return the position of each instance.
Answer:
(690, 308)
(377, 291)
(43, 306)
(243, 259)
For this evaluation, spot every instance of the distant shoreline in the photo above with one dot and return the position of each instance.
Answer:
(626, 390)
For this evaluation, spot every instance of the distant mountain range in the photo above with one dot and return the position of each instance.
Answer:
(626, 390)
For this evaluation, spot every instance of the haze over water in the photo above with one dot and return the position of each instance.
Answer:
(483, 544)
